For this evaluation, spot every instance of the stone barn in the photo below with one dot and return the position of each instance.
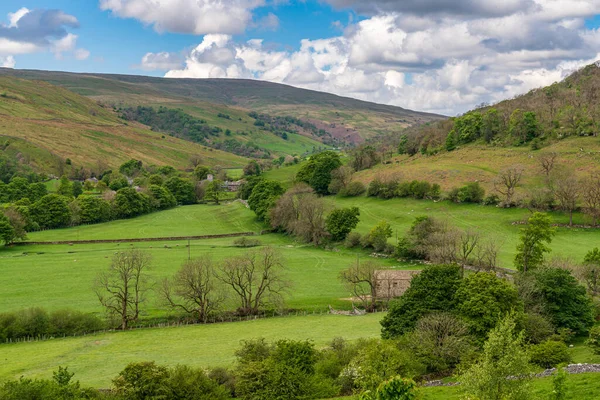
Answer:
(392, 283)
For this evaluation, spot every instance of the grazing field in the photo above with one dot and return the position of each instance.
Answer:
(493, 223)
(195, 220)
(61, 276)
(96, 359)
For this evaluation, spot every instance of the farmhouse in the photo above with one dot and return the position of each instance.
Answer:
(391, 283)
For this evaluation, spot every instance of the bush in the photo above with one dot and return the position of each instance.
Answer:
(341, 222)
(470, 193)
(594, 339)
(246, 242)
(353, 240)
(491, 200)
(537, 328)
(549, 354)
(354, 189)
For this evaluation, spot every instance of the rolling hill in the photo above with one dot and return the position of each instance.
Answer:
(344, 119)
(42, 125)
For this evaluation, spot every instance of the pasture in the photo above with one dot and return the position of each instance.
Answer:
(96, 359)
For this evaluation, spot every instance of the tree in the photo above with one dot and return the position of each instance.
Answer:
(403, 144)
(201, 172)
(364, 157)
(263, 198)
(432, 290)
(182, 189)
(65, 187)
(533, 240)
(130, 203)
(547, 161)
(301, 213)
(316, 172)
(379, 235)
(161, 198)
(341, 222)
(248, 185)
(18, 223)
(483, 299)
(213, 191)
(566, 190)
(194, 290)
(590, 271)
(77, 189)
(591, 196)
(361, 280)
(256, 278)
(121, 289)
(131, 168)
(396, 388)
(507, 181)
(51, 211)
(252, 169)
(503, 371)
(7, 232)
(561, 298)
(467, 242)
(340, 179)
(93, 209)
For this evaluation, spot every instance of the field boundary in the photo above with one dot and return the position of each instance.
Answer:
(152, 239)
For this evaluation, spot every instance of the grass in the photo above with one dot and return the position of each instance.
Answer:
(494, 223)
(195, 220)
(97, 359)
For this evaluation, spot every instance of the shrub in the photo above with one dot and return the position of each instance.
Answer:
(491, 200)
(537, 328)
(341, 222)
(549, 354)
(470, 193)
(246, 242)
(353, 240)
(594, 339)
(354, 189)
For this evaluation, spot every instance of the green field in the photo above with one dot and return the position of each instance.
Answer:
(96, 359)
(196, 220)
(493, 223)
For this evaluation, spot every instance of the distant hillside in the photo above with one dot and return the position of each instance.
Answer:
(344, 119)
(42, 126)
(570, 108)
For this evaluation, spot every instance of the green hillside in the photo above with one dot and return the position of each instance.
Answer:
(346, 119)
(42, 125)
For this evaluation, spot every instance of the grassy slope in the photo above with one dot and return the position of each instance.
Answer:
(48, 122)
(97, 359)
(368, 118)
(482, 163)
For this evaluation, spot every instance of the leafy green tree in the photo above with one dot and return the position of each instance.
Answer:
(156, 179)
(451, 140)
(117, 182)
(93, 209)
(131, 168)
(65, 187)
(7, 232)
(130, 203)
(213, 191)
(396, 388)
(594, 339)
(51, 211)
(378, 236)
(77, 189)
(201, 172)
(316, 172)
(263, 198)
(491, 124)
(589, 272)
(563, 299)
(161, 198)
(252, 169)
(533, 240)
(432, 290)
(483, 299)
(36, 191)
(403, 145)
(182, 189)
(248, 185)
(140, 381)
(503, 371)
(341, 222)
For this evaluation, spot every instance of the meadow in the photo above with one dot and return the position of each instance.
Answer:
(96, 359)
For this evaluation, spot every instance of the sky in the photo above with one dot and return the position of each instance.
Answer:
(444, 56)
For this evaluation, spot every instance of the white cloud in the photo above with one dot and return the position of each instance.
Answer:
(445, 62)
(188, 16)
(16, 16)
(160, 61)
(81, 54)
(64, 45)
(7, 62)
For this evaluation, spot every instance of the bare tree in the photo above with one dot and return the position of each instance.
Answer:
(361, 281)
(566, 190)
(547, 161)
(441, 246)
(486, 254)
(507, 181)
(300, 212)
(256, 278)
(591, 196)
(121, 289)
(340, 178)
(196, 160)
(194, 289)
(467, 242)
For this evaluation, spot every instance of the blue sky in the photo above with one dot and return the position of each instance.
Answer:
(432, 55)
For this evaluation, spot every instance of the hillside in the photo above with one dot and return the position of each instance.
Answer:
(344, 119)
(42, 126)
